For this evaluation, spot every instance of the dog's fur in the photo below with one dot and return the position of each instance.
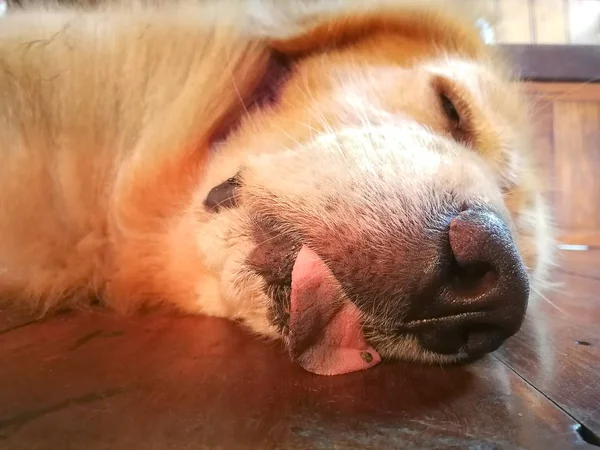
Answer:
(109, 119)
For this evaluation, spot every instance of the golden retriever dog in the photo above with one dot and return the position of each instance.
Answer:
(352, 177)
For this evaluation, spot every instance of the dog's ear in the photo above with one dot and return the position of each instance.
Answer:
(322, 30)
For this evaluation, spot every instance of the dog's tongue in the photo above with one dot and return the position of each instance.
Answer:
(325, 333)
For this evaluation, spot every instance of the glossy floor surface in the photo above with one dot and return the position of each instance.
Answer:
(94, 381)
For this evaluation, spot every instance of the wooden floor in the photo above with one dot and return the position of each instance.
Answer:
(93, 381)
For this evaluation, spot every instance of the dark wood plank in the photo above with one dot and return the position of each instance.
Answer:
(570, 63)
(95, 381)
(558, 349)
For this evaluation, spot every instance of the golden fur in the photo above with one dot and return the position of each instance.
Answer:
(108, 117)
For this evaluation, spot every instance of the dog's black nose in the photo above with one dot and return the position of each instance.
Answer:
(484, 292)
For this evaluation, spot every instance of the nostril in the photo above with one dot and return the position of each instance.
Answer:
(472, 264)
(477, 239)
(473, 279)
(484, 264)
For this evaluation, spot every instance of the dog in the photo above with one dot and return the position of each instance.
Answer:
(353, 178)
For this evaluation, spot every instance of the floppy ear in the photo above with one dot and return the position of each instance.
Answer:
(347, 22)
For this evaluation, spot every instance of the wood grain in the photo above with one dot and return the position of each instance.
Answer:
(96, 382)
(558, 349)
(577, 163)
(566, 117)
(542, 111)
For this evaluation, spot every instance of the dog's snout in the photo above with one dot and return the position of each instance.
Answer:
(459, 286)
(484, 288)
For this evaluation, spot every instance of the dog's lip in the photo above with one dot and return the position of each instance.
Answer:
(418, 325)
(410, 328)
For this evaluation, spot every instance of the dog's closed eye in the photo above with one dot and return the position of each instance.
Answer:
(450, 111)
(455, 109)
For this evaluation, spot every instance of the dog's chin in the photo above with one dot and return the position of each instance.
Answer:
(406, 348)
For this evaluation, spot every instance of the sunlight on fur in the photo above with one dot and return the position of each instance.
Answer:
(352, 133)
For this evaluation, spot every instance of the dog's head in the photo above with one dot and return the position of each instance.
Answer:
(383, 202)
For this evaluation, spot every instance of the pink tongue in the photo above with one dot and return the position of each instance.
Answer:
(325, 333)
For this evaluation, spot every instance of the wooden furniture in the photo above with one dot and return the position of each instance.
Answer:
(94, 381)
(564, 86)
(568, 144)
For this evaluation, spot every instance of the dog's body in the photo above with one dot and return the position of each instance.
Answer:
(115, 128)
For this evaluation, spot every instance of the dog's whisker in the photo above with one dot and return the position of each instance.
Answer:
(547, 300)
